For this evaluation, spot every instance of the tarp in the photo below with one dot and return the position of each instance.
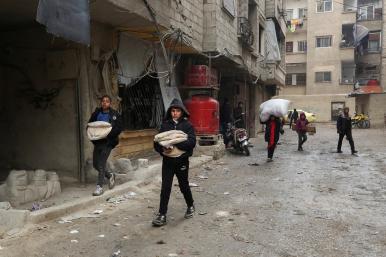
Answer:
(360, 32)
(272, 49)
(69, 19)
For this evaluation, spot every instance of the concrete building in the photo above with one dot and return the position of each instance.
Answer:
(50, 84)
(330, 47)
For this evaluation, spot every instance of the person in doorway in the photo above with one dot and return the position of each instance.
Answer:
(294, 117)
(344, 128)
(225, 118)
(103, 147)
(176, 119)
(273, 130)
(238, 115)
(301, 129)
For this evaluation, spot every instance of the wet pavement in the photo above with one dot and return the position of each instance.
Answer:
(311, 203)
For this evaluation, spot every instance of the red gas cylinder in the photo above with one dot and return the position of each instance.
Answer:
(372, 82)
(200, 76)
(204, 114)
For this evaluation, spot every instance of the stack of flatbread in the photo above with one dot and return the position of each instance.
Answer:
(168, 139)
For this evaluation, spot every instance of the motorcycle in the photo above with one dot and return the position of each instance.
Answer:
(360, 121)
(238, 138)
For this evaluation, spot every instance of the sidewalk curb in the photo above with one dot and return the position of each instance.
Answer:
(79, 204)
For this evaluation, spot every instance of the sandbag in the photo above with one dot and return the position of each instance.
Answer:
(98, 130)
(275, 107)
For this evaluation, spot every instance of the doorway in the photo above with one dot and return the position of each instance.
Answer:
(336, 109)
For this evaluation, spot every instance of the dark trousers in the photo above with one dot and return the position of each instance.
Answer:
(349, 138)
(302, 138)
(271, 150)
(179, 167)
(100, 155)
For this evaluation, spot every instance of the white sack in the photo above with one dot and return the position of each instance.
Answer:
(275, 107)
(98, 130)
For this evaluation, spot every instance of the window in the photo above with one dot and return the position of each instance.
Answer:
(261, 41)
(366, 12)
(374, 43)
(295, 79)
(324, 6)
(302, 13)
(325, 41)
(324, 76)
(302, 46)
(290, 14)
(289, 47)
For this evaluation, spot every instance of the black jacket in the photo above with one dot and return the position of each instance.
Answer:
(343, 124)
(278, 130)
(116, 123)
(183, 125)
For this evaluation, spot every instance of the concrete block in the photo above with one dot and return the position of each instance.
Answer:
(5, 206)
(123, 166)
(143, 163)
(12, 220)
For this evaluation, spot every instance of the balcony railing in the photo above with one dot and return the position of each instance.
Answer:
(346, 44)
(244, 31)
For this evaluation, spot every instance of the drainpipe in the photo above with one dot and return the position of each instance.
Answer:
(81, 174)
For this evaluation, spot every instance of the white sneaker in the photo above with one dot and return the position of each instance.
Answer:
(98, 191)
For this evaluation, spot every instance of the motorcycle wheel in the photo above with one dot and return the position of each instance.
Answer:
(361, 124)
(367, 124)
(246, 150)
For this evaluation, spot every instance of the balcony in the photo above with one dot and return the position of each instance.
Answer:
(296, 25)
(244, 31)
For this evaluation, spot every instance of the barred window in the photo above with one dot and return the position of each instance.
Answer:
(289, 47)
(324, 41)
(302, 46)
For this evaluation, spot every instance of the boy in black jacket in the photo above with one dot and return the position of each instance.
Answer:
(344, 127)
(176, 119)
(103, 147)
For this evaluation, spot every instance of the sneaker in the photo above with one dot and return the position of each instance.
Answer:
(159, 220)
(112, 181)
(269, 160)
(189, 212)
(354, 152)
(339, 151)
(98, 191)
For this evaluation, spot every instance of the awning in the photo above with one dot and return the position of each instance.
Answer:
(272, 45)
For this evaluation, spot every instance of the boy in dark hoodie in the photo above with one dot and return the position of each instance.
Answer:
(176, 119)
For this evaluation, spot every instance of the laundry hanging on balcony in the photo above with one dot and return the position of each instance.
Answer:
(294, 24)
(272, 49)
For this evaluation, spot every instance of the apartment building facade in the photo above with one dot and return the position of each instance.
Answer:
(332, 46)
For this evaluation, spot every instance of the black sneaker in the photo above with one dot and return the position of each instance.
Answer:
(112, 181)
(354, 152)
(339, 151)
(159, 220)
(189, 212)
